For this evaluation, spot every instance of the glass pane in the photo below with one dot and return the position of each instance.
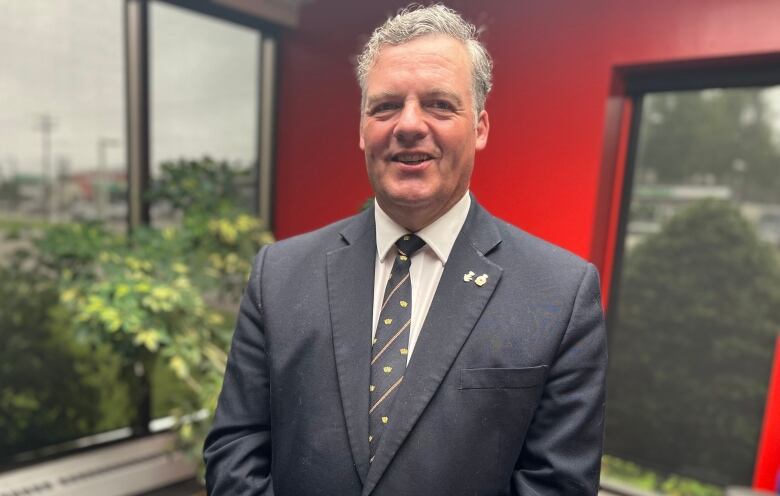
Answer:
(62, 163)
(205, 89)
(698, 306)
(62, 123)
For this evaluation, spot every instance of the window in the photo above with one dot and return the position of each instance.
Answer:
(697, 305)
(66, 186)
(62, 119)
(205, 94)
(62, 161)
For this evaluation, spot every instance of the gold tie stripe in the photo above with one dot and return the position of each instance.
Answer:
(392, 340)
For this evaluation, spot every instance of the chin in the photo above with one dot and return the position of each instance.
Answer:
(409, 199)
(410, 191)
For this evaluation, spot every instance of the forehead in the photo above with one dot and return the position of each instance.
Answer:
(432, 58)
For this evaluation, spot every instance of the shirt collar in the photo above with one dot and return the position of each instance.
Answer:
(439, 236)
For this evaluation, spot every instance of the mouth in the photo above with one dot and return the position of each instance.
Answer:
(411, 159)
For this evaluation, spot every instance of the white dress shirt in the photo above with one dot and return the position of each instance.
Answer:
(427, 263)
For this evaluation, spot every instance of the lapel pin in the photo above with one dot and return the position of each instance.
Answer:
(481, 280)
(468, 276)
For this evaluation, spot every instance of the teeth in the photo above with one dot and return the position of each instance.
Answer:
(417, 157)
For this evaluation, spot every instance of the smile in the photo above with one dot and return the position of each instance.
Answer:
(411, 158)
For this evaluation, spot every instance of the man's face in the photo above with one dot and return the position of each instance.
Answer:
(418, 128)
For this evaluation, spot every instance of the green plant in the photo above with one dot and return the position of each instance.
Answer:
(55, 389)
(150, 313)
(204, 186)
(68, 248)
(698, 313)
(139, 308)
(167, 296)
(616, 469)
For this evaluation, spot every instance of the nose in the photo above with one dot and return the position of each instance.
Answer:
(411, 125)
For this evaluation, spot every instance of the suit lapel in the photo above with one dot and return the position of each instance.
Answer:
(455, 309)
(350, 272)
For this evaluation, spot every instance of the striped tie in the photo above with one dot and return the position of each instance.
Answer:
(391, 341)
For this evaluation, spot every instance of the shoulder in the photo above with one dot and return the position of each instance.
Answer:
(534, 258)
(319, 242)
(536, 248)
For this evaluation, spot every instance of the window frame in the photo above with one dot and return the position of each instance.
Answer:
(138, 102)
(628, 87)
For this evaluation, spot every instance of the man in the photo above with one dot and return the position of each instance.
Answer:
(422, 347)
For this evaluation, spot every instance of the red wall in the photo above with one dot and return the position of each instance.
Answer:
(767, 471)
(554, 62)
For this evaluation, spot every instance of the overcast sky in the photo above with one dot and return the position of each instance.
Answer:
(64, 59)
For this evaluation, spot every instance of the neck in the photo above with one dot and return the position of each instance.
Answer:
(415, 218)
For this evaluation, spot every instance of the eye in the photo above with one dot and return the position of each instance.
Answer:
(441, 105)
(383, 107)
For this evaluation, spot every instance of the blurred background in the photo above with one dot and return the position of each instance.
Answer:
(149, 148)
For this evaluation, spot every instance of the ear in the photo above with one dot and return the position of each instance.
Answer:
(362, 142)
(481, 130)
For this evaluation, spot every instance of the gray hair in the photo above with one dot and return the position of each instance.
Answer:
(416, 21)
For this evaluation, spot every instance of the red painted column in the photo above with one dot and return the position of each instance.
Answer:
(768, 456)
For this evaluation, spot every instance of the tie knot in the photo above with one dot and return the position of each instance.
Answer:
(408, 244)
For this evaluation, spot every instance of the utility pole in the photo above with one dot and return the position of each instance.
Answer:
(46, 125)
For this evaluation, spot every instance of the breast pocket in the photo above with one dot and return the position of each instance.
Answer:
(502, 378)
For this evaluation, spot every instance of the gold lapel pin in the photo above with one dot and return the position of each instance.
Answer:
(468, 276)
(481, 280)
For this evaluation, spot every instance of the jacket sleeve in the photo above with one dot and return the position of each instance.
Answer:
(237, 450)
(563, 447)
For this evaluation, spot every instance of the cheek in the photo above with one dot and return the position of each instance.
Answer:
(376, 136)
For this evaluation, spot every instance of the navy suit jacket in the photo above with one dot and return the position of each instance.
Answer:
(503, 395)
